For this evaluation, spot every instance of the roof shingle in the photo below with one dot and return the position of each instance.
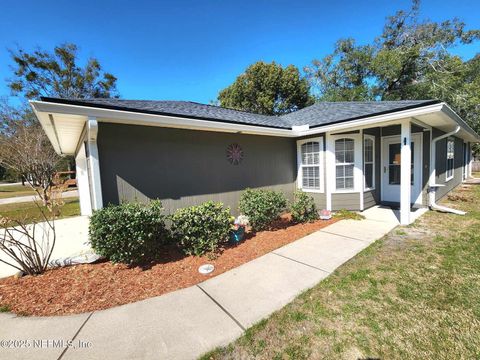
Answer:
(321, 113)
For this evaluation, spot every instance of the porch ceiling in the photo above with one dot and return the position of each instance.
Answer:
(445, 123)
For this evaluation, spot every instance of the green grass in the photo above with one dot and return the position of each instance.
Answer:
(29, 211)
(4, 308)
(15, 190)
(415, 294)
(348, 215)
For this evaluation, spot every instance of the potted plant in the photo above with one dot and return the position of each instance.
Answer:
(237, 232)
(325, 214)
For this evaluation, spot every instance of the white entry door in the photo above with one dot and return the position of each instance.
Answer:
(391, 169)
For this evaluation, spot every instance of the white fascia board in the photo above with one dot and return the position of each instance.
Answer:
(136, 118)
(453, 115)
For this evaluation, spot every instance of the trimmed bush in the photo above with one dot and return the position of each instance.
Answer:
(129, 233)
(262, 207)
(201, 229)
(303, 208)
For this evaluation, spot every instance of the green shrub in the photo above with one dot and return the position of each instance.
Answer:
(129, 233)
(303, 208)
(262, 207)
(201, 229)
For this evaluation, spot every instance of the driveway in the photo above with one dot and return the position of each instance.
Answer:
(187, 323)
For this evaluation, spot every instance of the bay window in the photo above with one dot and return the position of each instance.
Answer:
(369, 162)
(344, 164)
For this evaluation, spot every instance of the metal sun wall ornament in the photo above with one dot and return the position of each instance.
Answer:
(234, 154)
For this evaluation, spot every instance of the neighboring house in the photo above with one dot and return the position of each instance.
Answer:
(349, 155)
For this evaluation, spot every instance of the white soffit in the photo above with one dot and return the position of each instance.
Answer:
(62, 130)
(70, 127)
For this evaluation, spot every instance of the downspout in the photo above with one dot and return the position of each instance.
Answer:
(432, 186)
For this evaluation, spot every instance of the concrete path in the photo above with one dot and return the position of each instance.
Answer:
(187, 323)
(72, 238)
(11, 184)
(30, 198)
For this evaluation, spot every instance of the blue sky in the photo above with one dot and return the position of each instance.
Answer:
(189, 50)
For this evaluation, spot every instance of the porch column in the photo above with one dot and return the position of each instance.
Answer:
(405, 171)
(94, 164)
(329, 170)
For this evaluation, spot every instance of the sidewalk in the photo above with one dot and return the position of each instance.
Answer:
(29, 198)
(187, 323)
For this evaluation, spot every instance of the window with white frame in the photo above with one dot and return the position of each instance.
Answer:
(310, 165)
(450, 158)
(344, 163)
(369, 161)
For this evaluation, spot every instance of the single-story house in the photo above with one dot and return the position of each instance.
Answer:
(347, 155)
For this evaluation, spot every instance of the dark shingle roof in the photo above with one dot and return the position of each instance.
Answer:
(186, 109)
(321, 113)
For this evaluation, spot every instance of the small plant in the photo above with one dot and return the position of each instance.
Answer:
(5, 308)
(129, 233)
(200, 230)
(303, 208)
(348, 215)
(262, 207)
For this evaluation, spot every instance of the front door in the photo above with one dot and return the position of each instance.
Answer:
(391, 169)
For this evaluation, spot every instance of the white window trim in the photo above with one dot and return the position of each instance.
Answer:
(357, 170)
(448, 178)
(320, 164)
(365, 188)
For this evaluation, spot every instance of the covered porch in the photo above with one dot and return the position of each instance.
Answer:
(395, 163)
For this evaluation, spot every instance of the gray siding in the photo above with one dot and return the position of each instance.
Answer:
(441, 164)
(426, 166)
(369, 199)
(348, 201)
(320, 200)
(185, 167)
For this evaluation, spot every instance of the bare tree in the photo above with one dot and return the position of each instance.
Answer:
(29, 245)
(25, 148)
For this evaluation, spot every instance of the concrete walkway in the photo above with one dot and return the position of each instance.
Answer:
(30, 198)
(187, 323)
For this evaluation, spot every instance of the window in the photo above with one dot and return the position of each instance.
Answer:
(450, 158)
(310, 165)
(344, 163)
(369, 161)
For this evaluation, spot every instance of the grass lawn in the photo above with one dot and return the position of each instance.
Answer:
(7, 191)
(29, 211)
(415, 294)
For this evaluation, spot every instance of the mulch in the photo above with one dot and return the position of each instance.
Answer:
(83, 288)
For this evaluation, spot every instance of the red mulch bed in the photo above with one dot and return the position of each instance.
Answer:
(83, 288)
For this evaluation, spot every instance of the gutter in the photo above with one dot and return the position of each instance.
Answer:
(432, 188)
